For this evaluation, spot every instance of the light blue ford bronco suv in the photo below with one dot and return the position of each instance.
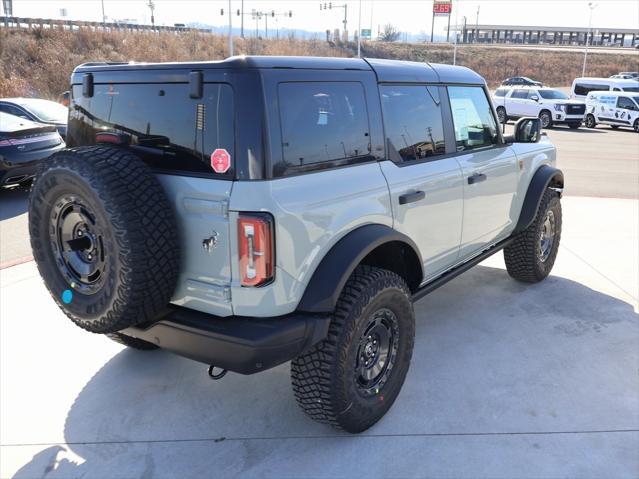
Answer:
(256, 210)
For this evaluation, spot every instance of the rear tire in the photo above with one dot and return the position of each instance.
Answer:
(104, 237)
(132, 342)
(531, 256)
(590, 121)
(635, 125)
(352, 378)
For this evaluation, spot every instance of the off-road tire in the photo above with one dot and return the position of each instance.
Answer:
(323, 379)
(545, 117)
(117, 195)
(522, 256)
(590, 121)
(502, 116)
(132, 342)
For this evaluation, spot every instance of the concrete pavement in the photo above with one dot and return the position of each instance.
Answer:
(507, 380)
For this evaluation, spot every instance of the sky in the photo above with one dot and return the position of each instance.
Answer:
(413, 16)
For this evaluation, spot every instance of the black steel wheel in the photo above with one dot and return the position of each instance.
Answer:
(352, 378)
(104, 238)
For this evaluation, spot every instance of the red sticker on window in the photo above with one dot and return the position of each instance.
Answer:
(220, 160)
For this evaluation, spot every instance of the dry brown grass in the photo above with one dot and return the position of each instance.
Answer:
(39, 62)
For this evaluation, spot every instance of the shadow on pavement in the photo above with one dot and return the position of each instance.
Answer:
(139, 399)
(13, 202)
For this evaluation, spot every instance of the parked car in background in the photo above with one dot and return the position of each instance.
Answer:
(582, 86)
(65, 98)
(23, 144)
(622, 76)
(612, 108)
(521, 81)
(550, 105)
(38, 110)
(632, 74)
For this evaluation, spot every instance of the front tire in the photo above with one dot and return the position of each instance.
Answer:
(635, 125)
(351, 379)
(590, 121)
(531, 256)
(546, 119)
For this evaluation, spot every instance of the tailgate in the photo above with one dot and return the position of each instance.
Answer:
(201, 207)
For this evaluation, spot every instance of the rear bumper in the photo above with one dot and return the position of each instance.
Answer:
(239, 344)
(18, 167)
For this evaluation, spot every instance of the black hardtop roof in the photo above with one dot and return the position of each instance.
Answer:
(386, 70)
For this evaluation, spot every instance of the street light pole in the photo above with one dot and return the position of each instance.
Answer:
(359, 32)
(455, 33)
(103, 15)
(242, 21)
(476, 36)
(591, 6)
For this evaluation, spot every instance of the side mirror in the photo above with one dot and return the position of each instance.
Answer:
(534, 98)
(527, 130)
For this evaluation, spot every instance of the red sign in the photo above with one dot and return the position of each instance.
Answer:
(442, 8)
(220, 160)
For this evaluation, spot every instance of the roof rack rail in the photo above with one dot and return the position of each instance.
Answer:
(93, 64)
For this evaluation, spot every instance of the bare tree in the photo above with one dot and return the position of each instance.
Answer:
(390, 33)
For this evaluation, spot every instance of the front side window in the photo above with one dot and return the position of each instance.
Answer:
(413, 121)
(323, 122)
(626, 103)
(475, 125)
(501, 92)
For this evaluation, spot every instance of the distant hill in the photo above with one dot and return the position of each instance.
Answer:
(39, 62)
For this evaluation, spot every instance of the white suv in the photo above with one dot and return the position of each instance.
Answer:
(550, 105)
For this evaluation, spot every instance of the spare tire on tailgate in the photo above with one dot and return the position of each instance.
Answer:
(104, 237)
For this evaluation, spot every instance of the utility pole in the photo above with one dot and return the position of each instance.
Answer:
(359, 32)
(456, 35)
(591, 6)
(151, 6)
(477, 26)
(103, 15)
(230, 31)
(242, 20)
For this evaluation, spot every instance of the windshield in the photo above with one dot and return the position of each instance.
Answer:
(552, 95)
(632, 89)
(46, 110)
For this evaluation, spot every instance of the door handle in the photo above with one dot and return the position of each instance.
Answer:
(411, 197)
(476, 178)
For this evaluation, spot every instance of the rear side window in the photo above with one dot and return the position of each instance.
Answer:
(323, 123)
(475, 125)
(520, 94)
(413, 121)
(170, 130)
(585, 88)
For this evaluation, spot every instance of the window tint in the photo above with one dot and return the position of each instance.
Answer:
(520, 94)
(171, 130)
(501, 92)
(475, 125)
(631, 89)
(626, 103)
(322, 122)
(413, 121)
(552, 95)
(532, 93)
(12, 110)
(584, 88)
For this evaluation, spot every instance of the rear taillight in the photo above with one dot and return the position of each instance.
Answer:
(257, 257)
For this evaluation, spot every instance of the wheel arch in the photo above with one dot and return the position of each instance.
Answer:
(373, 245)
(546, 176)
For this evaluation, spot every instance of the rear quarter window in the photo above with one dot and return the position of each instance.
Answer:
(167, 128)
(323, 124)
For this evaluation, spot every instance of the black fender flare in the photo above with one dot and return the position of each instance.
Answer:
(329, 278)
(542, 178)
